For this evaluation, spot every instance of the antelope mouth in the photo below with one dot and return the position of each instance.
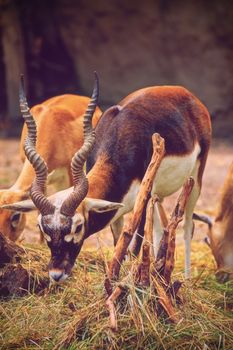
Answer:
(57, 275)
(224, 275)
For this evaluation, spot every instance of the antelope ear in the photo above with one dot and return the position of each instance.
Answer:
(100, 205)
(22, 206)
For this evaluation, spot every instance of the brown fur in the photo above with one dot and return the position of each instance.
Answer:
(59, 135)
(221, 234)
(153, 106)
(103, 167)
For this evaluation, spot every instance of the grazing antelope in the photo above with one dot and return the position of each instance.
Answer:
(59, 134)
(118, 152)
(221, 232)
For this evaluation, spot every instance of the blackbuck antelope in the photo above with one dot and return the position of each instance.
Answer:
(59, 134)
(118, 152)
(221, 232)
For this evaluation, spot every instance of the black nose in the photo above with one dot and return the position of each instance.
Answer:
(55, 275)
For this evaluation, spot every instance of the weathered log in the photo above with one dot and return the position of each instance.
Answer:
(111, 307)
(147, 248)
(16, 280)
(141, 201)
(9, 251)
(164, 300)
(145, 266)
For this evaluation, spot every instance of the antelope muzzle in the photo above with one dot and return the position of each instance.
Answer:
(62, 260)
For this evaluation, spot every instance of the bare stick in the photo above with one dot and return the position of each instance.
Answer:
(147, 251)
(111, 307)
(167, 244)
(145, 266)
(120, 288)
(165, 301)
(141, 201)
(176, 217)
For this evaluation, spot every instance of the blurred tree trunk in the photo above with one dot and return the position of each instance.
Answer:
(13, 52)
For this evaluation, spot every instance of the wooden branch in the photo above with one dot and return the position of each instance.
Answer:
(118, 291)
(162, 275)
(147, 248)
(165, 301)
(145, 266)
(167, 244)
(164, 264)
(111, 307)
(176, 217)
(141, 201)
(147, 182)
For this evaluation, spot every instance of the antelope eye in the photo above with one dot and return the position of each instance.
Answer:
(15, 217)
(78, 228)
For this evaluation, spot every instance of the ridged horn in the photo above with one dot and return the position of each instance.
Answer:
(38, 163)
(79, 178)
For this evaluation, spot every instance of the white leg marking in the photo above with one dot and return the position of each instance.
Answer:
(116, 228)
(157, 230)
(188, 221)
(188, 228)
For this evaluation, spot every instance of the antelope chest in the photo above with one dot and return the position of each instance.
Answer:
(171, 175)
(173, 172)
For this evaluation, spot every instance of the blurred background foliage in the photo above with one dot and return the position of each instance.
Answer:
(57, 44)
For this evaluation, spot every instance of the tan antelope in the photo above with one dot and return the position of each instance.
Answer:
(118, 152)
(59, 134)
(221, 232)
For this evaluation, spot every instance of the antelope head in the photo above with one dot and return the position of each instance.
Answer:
(63, 218)
(221, 244)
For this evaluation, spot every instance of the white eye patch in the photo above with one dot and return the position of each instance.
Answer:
(77, 230)
(68, 238)
(47, 237)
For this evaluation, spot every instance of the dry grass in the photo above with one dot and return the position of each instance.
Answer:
(73, 315)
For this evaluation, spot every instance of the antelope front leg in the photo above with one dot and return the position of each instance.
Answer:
(116, 228)
(160, 222)
(158, 229)
(188, 221)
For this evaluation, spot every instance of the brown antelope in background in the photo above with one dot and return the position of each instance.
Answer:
(118, 153)
(59, 134)
(221, 232)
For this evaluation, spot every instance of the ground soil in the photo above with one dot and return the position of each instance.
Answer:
(219, 160)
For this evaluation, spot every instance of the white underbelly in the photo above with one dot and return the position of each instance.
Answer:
(171, 175)
(173, 172)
